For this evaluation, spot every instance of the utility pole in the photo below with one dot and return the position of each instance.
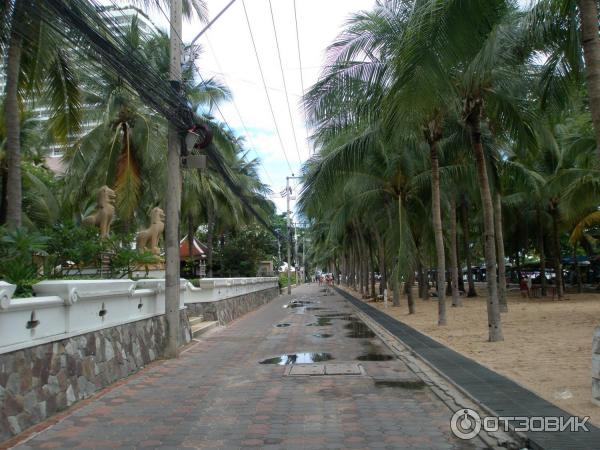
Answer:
(296, 262)
(173, 200)
(288, 237)
(288, 192)
(303, 255)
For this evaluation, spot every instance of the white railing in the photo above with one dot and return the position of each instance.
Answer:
(66, 308)
(216, 289)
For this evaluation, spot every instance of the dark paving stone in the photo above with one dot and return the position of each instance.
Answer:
(497, 392)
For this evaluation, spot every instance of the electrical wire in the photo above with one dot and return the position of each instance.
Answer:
(287, 98)
(300, 63)
(86, 26)
(216, 104)
(265, 87)
(237, 110)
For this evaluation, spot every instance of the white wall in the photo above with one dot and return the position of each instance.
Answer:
(65, 308)
(215, 289)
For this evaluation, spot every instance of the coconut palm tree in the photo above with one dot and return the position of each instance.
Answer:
(38, 68)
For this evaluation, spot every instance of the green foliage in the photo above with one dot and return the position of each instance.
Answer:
(283, 279)
(18, 252)
(239, 253)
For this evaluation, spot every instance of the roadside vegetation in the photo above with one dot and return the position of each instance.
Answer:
(451, 134)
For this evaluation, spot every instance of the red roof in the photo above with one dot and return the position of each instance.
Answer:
(198, 250)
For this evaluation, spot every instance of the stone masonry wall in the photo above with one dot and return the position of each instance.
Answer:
(596, 367)
(231, 308)
(39, 381)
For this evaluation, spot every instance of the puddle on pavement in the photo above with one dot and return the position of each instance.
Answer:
(374, 357)
(359, 330)
(321, 322)
(298, 358)
(314, 308)
(322, 335)
(298, 304)
(282, 325)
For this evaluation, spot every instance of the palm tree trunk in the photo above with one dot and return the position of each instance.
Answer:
(464, 216)
(456, 300)
(12, 117)
(577, 270)
(396, 298)
(3, 194)
(210, 238)
(423, 282)
(588, 12)
(409, 294)
(398, 278)
(437, 229)
(372, 271)
(493, 307)
(382, 269)
(542, 250)
(500, 249)
(556, 241)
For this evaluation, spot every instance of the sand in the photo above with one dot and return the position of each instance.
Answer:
(547, 344)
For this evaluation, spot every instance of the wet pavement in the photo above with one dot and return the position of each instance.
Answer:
(256, 385)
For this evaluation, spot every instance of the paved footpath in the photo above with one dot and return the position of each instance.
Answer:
(217, 395)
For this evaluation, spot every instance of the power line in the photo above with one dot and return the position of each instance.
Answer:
(215, 103)
(300, 65)
(265, 86)
(237, 110)
(287, 98)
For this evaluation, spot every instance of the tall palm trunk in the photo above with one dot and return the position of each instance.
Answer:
(437, 229)
(12, 122)
(464, 217)
(423, 281)
(456, 300)
(409, 294)
(372, 270)
(500, 249)
(210, 238)
(398, 277)
(556, 243)
(578, 270)
(542, 250)
(3, 189)
(493, 307)
(396, 298)
(588, 12)
(382, 268)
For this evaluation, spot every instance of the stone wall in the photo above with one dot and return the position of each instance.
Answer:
(596, 367)
(37, 382)
(229, 309)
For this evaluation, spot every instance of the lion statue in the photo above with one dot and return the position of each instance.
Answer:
(105, 210)
(148, 239)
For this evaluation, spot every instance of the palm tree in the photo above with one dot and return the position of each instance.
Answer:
(38, 67)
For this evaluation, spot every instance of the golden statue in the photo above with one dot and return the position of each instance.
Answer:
(151, 234)
(105, 210)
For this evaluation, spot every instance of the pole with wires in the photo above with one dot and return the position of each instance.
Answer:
(289, 238)
(173, 198)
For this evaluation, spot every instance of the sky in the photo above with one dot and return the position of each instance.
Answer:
(229, 56)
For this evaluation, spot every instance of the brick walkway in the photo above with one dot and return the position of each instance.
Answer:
(216, 395)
